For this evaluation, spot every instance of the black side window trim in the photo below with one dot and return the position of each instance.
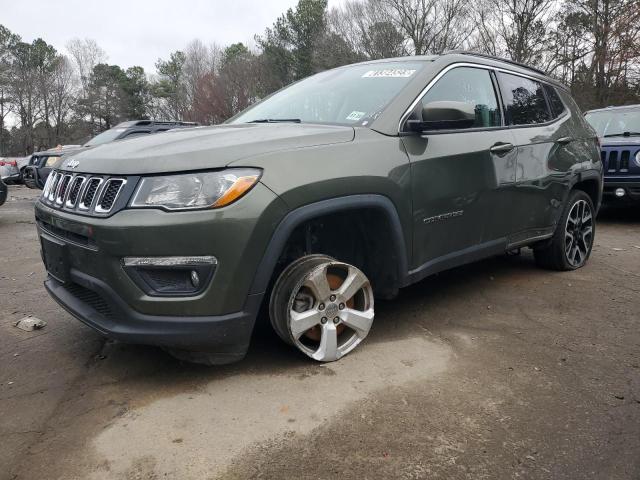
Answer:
(553, 120)
(494, 71)
(547, 87)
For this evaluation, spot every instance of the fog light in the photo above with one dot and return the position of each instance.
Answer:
(171, 276)
(620, 192)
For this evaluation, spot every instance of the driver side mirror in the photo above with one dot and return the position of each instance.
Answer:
(444, 115)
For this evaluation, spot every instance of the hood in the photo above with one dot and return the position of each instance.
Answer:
(621, 141)
(202, 148)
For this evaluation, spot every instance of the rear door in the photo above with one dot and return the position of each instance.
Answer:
(461, 178)
(544, 139)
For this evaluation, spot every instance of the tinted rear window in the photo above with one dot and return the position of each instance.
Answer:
(524, 100)
(555, 103)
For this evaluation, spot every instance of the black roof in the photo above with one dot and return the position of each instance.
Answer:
(149, 123)
(499, 59)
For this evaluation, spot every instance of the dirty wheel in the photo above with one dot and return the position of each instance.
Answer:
(322, 306)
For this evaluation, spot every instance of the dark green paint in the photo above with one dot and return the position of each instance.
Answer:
(451, 193)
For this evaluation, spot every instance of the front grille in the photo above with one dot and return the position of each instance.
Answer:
(95, 195)
(62, 189)
(75, 191)
(613, 161)
(616, 161)
(109, 194)
(51, 193)
(90, 193)
(624, 161)
(90, 298)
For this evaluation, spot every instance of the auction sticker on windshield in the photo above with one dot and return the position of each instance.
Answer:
(389, 73)
(355, 116)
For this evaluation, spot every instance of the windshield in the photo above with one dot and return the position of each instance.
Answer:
(615, 122)
(105, 137)
(350, 95)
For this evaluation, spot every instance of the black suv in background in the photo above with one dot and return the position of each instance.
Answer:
(619, 132)
(36, 173)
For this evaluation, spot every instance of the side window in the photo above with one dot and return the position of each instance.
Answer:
(524, 100)
(470, 86)
(557, 107)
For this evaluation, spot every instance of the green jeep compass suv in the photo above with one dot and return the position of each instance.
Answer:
(350, 184)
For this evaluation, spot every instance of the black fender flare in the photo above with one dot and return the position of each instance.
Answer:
(308, 212)
(590, 175)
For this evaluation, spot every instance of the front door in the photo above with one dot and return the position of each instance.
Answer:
(461, 179)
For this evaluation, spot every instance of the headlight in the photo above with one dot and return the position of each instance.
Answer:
(638, 158)
(51, 161)
(191, 191)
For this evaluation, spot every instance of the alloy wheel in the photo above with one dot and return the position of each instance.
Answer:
(330, 311)
(578, 233)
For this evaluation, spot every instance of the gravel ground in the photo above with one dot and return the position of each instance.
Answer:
(494, 370)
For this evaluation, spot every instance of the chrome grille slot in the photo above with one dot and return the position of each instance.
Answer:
(53, 186)
(47, 185)
(109, 194)
(74, 191)
(62, 189)
(89, 193)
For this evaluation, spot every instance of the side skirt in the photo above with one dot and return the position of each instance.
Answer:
(456, 259)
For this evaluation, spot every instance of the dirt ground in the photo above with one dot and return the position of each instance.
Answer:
(494, 370)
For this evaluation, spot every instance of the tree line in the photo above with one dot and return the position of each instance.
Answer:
(49, 97)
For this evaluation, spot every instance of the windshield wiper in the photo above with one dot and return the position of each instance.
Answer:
(623, 134)
(276, 120)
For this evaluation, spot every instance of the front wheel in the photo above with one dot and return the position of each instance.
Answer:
(321, 306)
(571, 244)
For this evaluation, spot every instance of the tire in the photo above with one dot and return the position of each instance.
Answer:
(572, 241)
(322, 307)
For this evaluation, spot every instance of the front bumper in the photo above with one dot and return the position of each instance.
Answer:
(95, 304)
(35, 177)
(98, 290)
(631, 187)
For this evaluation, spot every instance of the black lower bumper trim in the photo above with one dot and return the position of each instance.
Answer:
(94, 303)
(631, 188)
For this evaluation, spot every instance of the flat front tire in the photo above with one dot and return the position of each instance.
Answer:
(321, 306)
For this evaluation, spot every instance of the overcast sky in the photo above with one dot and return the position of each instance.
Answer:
(138, 32)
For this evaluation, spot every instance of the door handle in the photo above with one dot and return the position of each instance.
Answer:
(564, 140)
(502, 147)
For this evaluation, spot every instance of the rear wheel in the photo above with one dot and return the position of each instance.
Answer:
(571, 244)
(322, 307)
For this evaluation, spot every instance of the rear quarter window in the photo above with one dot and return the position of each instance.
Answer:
(555, 103)
(524, 100)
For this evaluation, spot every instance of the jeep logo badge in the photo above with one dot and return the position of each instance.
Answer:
(72, 163)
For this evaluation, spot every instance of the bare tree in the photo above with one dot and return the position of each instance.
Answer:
(517, 29)
(614, 40)
(200, 60)
(64, 85)
(367, 28)
(86, 54)
(431, 26)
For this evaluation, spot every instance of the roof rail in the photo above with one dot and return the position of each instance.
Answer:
(493, 57)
